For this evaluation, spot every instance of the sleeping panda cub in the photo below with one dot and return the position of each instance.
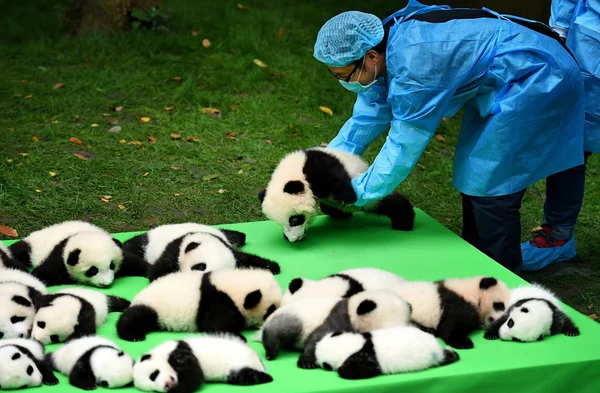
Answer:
(533, 313)
(380, 352)
(93, 361)
(22, 365)
(182, 366)
(189, 246)
(225, 300)
(343, 284)
(318, 177)
(76, 252)
(301, 324)
(20, 294)
(73, 313)
(7, 260)
(454, 308)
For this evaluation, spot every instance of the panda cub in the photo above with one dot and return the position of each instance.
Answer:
(73, 313)
(22, 365)
(93, 361)
(183, 247)
(76, 252)
(7, 260)
(533, 313)
(182, 366)
(20, 294)
(318, 177)
(382, 351)
(225, 300)
(343, 284)
(454, 308)
(303, 323)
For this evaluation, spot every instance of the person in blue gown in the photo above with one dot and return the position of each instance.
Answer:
(578, 23)
(521, 90)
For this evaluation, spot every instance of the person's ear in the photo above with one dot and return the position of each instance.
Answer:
(373, 57)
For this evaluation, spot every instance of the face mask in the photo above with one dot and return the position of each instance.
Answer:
(356, 86)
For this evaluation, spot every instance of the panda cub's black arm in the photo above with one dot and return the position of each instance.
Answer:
(493, 332)
(48, 377)
(243, 259)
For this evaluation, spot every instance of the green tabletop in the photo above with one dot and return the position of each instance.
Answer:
(429, 252)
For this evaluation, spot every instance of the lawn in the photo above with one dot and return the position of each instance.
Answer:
(148, 85)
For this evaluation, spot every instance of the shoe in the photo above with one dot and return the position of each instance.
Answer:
(544, 250)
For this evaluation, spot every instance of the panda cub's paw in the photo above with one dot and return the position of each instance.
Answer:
(307, 363)
(491, 336)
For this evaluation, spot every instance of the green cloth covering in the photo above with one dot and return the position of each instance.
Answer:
(429, 252)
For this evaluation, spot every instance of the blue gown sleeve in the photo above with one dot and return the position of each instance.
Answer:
(417, 111)
(371, 117)
(561, 14)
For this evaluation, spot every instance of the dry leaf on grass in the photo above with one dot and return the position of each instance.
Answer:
(268, 141)
(35, 139)
(176, 78)
(9, 160)
(222, 191)
(177, 194)
(106, 198)
(94, 125)
(260, 63)
(81, 157)
(206, 43)
(440, 138)
(8, 231)
(326, 110)
(144, 119)
(122, 207)
(145, 174)
(210, 177)
(122, 141)
(118, 108)
(136, 143)
(192, 139)
(152, 139)
(38, 190)
(175, 136)
(231, 135)
(28, 96)
(58, 85)
(52, 174)
(280, 33)
(214, 112)
(421, 166)
(240, 6)
(23, 154)
(169, 108)
(194, 33)
(115, 129)
(75, 140)
(324, 144)
(233, 107)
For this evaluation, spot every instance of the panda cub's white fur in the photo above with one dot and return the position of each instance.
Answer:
(218, 358)
(19, 294)
(22, 365)
(342, 284)
(381, 351)
(93, 361)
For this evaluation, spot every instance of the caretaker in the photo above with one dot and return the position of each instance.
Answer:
(521, 89)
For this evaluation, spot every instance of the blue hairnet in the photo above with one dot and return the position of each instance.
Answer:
(347, 37)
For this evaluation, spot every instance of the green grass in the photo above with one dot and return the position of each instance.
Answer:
(270, 110)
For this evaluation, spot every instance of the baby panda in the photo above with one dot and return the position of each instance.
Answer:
(182, 366)
(534, 312)
(343, 284)
(20, 294)
(454, 308)
(318, 177)
(225, 300)
(183, 247)
(7, 260)
(76, 252)
(73, 313)
(381, 352)
(93, 361)
(22, 365)
(303, 323)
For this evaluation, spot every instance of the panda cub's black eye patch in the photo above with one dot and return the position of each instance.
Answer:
(29, 370)
(296, 220)
(145, 357)
(294, 187)
(104, 384)
(14, 319)
(41, 324)
(154, 375)
(499, 306)
(525, 310)
(199, 266)
(511, 323)
(91, 272)
(16, 356)
(112, 266)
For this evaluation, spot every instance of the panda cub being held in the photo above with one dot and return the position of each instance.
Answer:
(305, 180)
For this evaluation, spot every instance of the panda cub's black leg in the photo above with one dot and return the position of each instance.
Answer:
(48, 377)
(247, 376)
(449, 357)
(569, 328)
(398, 209)
(136, 322)
(236, 238)
(334, 212)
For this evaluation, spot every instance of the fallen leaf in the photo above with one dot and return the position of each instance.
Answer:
(94, 125)
(35, 139)
(427, 152)
(175, 136)
(144, 119)
(590, 307)
(233, 107)
(326, 110)
(79, 117)
(324, 144)
(210, 177)
(176, 78)
(122, 207)
(112, 121)
(194, 33)
(115, 129)
(421, 166)
(19, 164)
(280, 33)
(106, 198)
(119, 109)
(240, 6)
(538, 228)
(440, 138)
(23, 154)
(8, 231)
(28, 97)
(268, 141)
(80, 156)
(55, 122)
(152, 139)
(250, 160)
(38, 190)
(52, 174)
(593, 316)
(230, 135)
(175, 167)
(448, 220)
(214, 112)
(9, 160)
(240, 172)
(260, 63)
(222, 191)
(75, 140)
(177, 194)
(145, 174)
(122, 141)
(206, 43)
(58, 85)
(135, 143)
(192, 139)
(169, 108)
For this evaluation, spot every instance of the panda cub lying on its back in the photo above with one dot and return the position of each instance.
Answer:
(307, 179)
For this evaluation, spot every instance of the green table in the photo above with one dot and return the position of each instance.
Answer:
(430, 252)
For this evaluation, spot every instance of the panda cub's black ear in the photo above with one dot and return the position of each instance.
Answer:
(117, 242)
(261, 195)
(295, 284)
(252, 299)
(365, 307)
(73, 258)
(294, 187)
(145, 357)
(487, 282)
(191, 246)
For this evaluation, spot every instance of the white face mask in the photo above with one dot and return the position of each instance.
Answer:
(356, 86)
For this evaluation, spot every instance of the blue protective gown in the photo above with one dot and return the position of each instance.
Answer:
(522, 93)
(580, 21)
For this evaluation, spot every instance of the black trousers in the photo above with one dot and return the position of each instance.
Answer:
(493, 225)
